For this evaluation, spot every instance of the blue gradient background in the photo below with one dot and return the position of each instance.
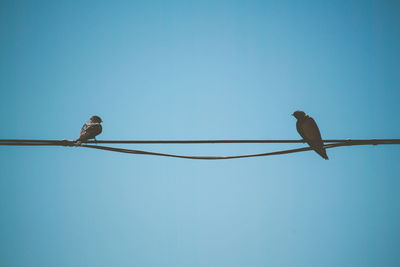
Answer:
(199, 70)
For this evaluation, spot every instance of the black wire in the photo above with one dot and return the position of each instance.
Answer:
(346, 142)
(130, 151)
(380, 141)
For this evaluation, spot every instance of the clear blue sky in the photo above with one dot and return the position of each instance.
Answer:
(199, 70)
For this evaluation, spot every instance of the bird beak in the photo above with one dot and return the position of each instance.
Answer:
(293, 114)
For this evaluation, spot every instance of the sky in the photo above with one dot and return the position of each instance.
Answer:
(199, 70)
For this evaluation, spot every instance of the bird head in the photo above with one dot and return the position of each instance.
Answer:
(96, 119)
(299, 114)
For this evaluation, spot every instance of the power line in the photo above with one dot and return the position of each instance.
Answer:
(68, 142)
(130, 151)
(335, 143)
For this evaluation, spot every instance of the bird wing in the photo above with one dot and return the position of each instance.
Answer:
(309, 130)
(89, 131)
(84, 129)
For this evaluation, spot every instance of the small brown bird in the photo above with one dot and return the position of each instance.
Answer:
(308, 129)
(90, 130)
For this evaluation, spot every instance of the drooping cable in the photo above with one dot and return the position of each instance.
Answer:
(334, 143)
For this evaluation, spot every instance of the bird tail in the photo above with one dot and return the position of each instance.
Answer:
(322, 152)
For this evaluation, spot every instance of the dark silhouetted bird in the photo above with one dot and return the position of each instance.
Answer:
(308, 129)
(90, 130)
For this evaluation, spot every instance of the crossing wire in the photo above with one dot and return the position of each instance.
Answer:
(334, 143)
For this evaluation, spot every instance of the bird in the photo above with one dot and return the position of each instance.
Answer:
(90, 130)
(308, 129)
